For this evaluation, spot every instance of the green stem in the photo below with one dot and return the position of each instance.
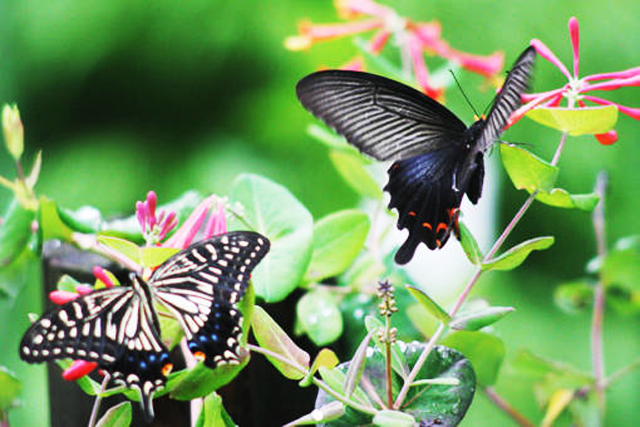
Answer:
(318, 383)
(387, 345)
(622, 372)
(96, 404)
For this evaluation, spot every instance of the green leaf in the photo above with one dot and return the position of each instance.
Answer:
(336, 379)
(10, 388)
(477, 320)
(67, 283)
(351, 168)
(213, 413)
(526, 170)
(433, 404)
(117, 416)
(398, 363)
(430, 305)
(85, 219)
(562, 199)
(125, 247)
(573, 297)
(155, 255)
(485, 351)
(516, 255)
(356, 366)
(273, 211)
(330, 411)
(469, 244)
(389, 418)
(576, 121)
(50, 223)
(337, 240)
(271, 337)
(530, 365)
(319, 316)
(621, 266)
(15, 230)
(202, 380)
(325, 359)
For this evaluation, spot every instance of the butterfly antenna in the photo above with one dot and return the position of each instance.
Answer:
(463, 93)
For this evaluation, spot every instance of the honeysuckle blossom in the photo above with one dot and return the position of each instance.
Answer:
(576, 89)
(154, 228)
(413, 38)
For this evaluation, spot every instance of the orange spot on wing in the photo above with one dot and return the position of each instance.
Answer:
(412, 213)
(438, 243)
(166, 369)
(427, 225)
(441, 226)
(200, 356)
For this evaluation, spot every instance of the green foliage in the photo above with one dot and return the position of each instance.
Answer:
(577, 121)
(337, 240)
(10, 388)
(351, 168)
(516, 255)
(526, 170)
(478, 319)
(469, 244)
(484, 351)
(213, 413)
(430, 305)
(14, 232)
(319, 317)
(117, 416)
(273, 211)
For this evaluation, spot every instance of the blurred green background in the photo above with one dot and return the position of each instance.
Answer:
(128, 96)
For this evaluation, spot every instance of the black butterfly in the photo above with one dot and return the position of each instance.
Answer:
(437, 158)
(118, 327)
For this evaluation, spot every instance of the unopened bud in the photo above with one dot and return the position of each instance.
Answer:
(13, 131)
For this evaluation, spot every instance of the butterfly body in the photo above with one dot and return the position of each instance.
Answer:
(436, 158)
(118, 327)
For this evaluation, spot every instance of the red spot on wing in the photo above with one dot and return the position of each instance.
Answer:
(427, 225)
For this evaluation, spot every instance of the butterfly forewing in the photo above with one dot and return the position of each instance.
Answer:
(202, 286)
(508, 99)
(382, 118)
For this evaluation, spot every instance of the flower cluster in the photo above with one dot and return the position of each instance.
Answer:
(154, 228)
(413, 38)
(576, 89)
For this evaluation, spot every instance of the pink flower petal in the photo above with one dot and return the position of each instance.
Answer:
(487, 66)
(526, 97)
(217, 223)
(607, 138)
(631, 72)
(102, 275)
(185, 234)
(141, 216)
(169, 224)
(84, 289)
(546, 53)
(78, 369)
(613, 84)
(428, 32)
(62, 297)
(331, 31)
(634, 113)
(379, 40)
(574, 32)
(152, 202)
(352, 8)
(420, 67)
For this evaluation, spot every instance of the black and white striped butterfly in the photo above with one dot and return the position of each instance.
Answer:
(119, 329)
(437, 158)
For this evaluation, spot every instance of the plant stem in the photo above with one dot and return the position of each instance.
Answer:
(318, 383)
(467, 289)
(622, 372)
(507, 408)
(190, 361)
(96, 404)
(387, 345)
(597, 348)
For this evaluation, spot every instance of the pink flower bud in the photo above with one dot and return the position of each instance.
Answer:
(574, 32)
(607, 138)
(62, 297)
(78, 369)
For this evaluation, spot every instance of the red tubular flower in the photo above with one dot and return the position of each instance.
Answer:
(576, 88)
(154, 227)
(413, 38)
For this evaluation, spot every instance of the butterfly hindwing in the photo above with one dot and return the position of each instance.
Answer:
(202, 286)
(382, 118)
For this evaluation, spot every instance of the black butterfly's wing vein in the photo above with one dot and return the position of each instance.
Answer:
(382, 118)
(202, 286)
(508, 99)
(113, 327)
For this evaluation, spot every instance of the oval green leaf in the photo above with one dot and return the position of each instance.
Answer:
(430, 305)
(526, 170)
(117, 416)
(576, 121)
(10, 387)
(213, 413)
(389, 418)
(325, 359)
(85, 219)
(319, 317)
(271, 337)
(516, 255)
(574, 297)
(477, 320)
(125, 247)
(562, 199)
(469, 244)
(485, 351)
(202, 380)
(337, 240)
(351, 167)
(273, 211)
